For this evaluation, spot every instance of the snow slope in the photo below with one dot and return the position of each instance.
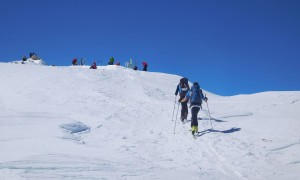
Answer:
(116, 123)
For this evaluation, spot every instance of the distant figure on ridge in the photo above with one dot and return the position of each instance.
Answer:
(24, 58)
(82, 61)
(75, 62)
(111, 61)
(145, 66)
(195, 95)
(94, 66)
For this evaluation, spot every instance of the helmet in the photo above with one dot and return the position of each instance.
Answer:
(195, 84)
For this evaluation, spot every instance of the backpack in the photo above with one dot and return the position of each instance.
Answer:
(183, 86)
(195, 97)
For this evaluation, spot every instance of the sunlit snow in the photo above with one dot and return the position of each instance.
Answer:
(116, 123)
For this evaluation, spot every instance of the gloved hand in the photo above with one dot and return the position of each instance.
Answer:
(205, 99)
(180, 99)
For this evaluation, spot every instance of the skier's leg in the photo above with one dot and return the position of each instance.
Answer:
(194, 122)
(185, 110)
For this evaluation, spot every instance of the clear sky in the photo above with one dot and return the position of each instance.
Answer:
(230, 47)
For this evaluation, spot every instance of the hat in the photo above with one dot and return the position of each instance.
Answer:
(195, 84)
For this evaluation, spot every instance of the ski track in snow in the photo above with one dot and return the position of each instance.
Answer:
(115, 123)
(286, 146)
(237, 115)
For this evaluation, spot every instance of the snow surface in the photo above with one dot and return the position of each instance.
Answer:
(116, 123)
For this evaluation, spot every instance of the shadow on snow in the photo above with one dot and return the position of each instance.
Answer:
(213, 119)
(206, 119)
(231, 130)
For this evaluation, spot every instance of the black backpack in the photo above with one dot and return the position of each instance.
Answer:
(196, 95)
(183, 86)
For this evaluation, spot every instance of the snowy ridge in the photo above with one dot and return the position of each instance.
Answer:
(116, 123)
(30, 61)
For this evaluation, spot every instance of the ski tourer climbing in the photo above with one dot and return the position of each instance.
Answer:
(195, 95)
(182, 88)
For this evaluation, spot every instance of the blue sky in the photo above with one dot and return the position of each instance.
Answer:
(230, 47)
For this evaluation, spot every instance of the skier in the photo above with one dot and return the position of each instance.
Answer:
(74, 62)
(82, 62)
(111, 61)
(145, 66)
(195, 96)
(94, 66)
(24, 58)
(182, 88)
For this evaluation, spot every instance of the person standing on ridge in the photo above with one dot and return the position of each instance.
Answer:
(75, 62)
(82, 61)
(182, 88)
(195, 95)
(111, 61)
(24, 58)
(93, 66)
(145, 66)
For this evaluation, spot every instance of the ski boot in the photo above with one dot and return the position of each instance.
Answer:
(194, 130)
(182, 119)
(185, 117)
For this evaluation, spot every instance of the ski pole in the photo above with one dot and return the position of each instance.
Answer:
(176, 118)
(177, 109)
(209, 113)
(174, 107)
